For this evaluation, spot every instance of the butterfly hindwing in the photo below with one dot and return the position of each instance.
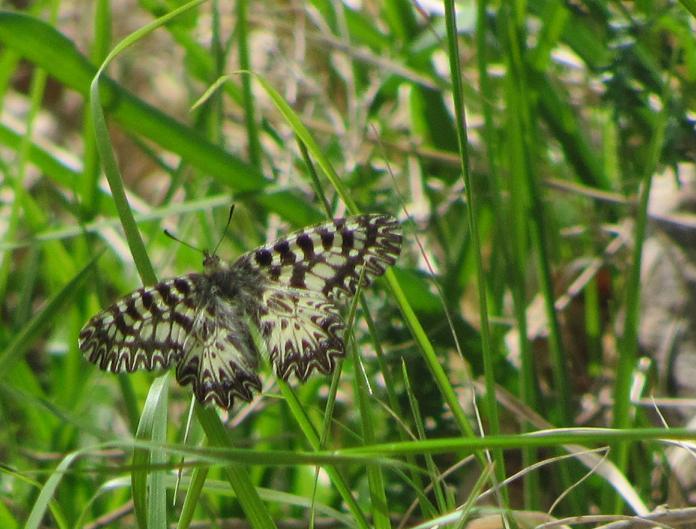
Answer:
(222, 362)
(303, 331)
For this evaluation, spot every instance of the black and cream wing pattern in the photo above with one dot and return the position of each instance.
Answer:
(291, 290)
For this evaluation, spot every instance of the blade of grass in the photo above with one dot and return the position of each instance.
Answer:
(412, 321)
(310, 433)
(45, 500)
(113, 175)
(193, 493)
(254, 509)
(375, 478)
(462, 141)
(41, 44)
(149, 499)
(254, 148)
(44, 318)
(629, 343)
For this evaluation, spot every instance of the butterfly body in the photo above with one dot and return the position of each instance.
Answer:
(287, 289)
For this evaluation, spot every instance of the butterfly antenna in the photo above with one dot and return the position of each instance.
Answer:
(224, 232)
(175, 238)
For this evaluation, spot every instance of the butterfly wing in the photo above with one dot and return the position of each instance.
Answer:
(304, 274)
(289, 288)
(148, 329)
(222, 363)
(303, 331)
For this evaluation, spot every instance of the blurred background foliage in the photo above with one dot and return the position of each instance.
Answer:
(579, 180)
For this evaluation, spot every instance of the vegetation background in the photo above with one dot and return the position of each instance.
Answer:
(522, 145)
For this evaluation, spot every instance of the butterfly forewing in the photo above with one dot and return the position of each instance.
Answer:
(329, 257)
(288, 289)
(148, 329)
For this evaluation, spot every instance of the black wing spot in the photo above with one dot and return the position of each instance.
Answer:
(132, 311)
(297, 280)
(182, 286)
(147, 298)
(166, 293)
(286, 254)
(327, 239)
(348, 240)
(305, 243)
(263, 257)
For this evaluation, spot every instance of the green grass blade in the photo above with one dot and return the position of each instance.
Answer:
(193, 493)
(254, 509)
(45, 501)
(44, 318)
(149, 496)
(113, 175)
(43, 45)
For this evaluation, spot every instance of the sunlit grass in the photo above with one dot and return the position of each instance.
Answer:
(525, 127)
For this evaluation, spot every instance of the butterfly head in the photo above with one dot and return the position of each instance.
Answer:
(211, 262)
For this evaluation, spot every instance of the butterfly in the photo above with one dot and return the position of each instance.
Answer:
(289, 289)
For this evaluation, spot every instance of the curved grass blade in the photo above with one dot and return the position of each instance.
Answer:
(42, 45)
(151, 510)
(44, 318)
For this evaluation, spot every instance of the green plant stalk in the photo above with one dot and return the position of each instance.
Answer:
(45, 499)
(529, 211)
(89, 182)
(254, 509)
(690, 5)
(433, 471)
(629, 343)
(193, 494)
(149, 493)
(313, 439)
(462, 142)
(375, 478)
(245, 64)
(110, 166)
(429, 355)
(411, 319)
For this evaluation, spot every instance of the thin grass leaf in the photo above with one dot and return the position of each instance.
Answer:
(44, 318)
(690, 5)
(44, 46)
(149, 498)
(412, 321)
(249, 500)
(198, 480)
(629, 344)
(44, 500)
(113, 175)
(472, 212)
(252, 128)
(375, 478)
(420, 426)
(305, 137)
